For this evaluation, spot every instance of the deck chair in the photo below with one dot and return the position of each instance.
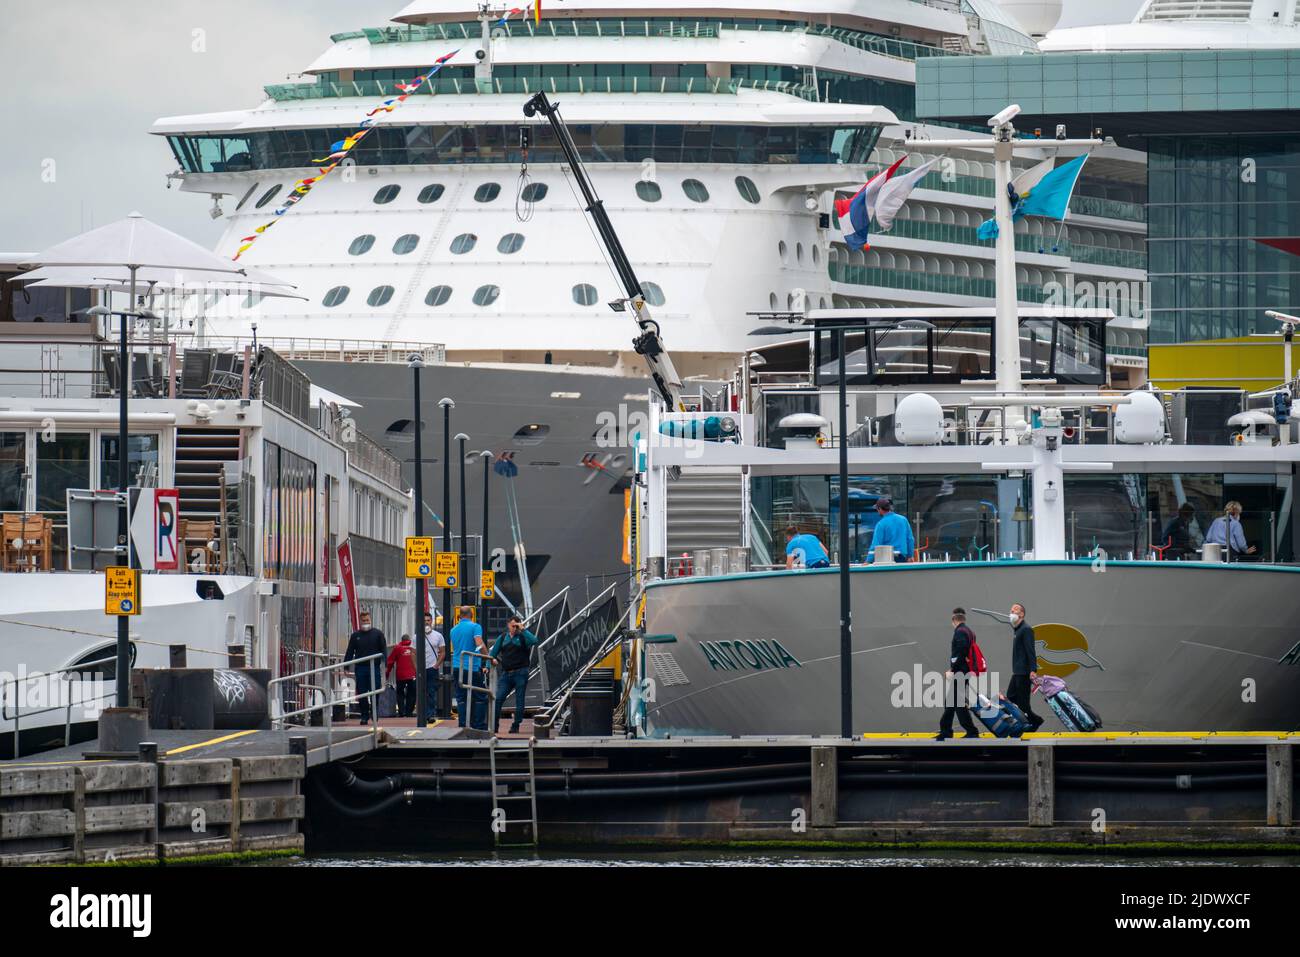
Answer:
(195, 535)
(196, 373)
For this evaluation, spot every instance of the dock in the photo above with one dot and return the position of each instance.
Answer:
(193, 794)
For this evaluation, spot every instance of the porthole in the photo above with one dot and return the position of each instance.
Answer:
(463, 243)
(431, 193)
(783, 251)
(535, 192)
(584, 294)
(817, 255)
(269, 195)
(748, 191)
(487, 192)
(247, 196)
(771, 301)
(653, 294)
(511, 243)
(437, 296)
(534, 434)
(361, 245)
(405, 245)
(695, 190)
(380, 295)
(648, 191)
(387, 194)
(798, 252)
(335, 297)
(486, 295)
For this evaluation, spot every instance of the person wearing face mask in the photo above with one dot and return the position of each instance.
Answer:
(1024, 665)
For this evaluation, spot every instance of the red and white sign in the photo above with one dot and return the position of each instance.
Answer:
(155, 529)
(349, 584)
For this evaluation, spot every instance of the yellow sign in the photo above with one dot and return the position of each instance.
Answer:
(472, 616)
(419, 558)
(489, 588)
(448, 569)
(121, 591)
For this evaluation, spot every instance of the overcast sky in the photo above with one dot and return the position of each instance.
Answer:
(86, 78)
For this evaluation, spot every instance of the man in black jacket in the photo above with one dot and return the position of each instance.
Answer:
(956, 688)
(1024, 665)
(366, 641)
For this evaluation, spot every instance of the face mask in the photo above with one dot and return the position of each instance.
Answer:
(1015, 618)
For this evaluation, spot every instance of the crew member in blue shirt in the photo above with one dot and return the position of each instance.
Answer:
(467, 637)
(892, 529)
(804, 550)
(1226, 530)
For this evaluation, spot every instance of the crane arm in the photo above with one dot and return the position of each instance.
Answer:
(648, 344)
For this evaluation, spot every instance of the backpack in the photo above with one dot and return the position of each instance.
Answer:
(975, 663)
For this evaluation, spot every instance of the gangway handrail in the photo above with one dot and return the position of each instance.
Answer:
(541, 645)
(463, 677)
(67, 721)
(551, 712)
(327, 704)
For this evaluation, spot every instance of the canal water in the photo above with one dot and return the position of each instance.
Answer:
(769, 858)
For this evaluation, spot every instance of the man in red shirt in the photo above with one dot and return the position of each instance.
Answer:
(403, 656)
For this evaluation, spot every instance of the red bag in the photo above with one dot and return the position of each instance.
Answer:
(975, 663)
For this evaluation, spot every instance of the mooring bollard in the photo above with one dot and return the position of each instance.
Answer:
(1042, 784)
(1279, 759)
(825, 786)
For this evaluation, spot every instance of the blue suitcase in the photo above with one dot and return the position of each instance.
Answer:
(1004, 719)
(1073, 713)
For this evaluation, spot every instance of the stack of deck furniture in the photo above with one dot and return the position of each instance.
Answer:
(28, 543)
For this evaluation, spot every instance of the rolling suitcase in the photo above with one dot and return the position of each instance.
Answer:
(387, 702)
(1004, 719)
(1074, 713)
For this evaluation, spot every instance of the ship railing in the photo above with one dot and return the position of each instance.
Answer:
(334, 350)
(465, 677)
(549, 640)
(18, 712)
(328, 697)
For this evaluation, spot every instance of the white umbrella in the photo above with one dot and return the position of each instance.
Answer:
(118, 279)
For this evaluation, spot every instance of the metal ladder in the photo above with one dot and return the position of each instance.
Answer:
(502, 792)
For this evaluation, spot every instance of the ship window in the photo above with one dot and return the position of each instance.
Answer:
(649, 191)
(387, 194)
(534, 192)
(463, 243)
(486, 295)
(510, 243)
(437, 296)
(487, 192)
(747, 189)
(361, 245)
(653, 294)
(584, 294)
(406, 244)
(534, 434)
(268, 195)
(380, 295)
(335, 297)
(695, 190)
(431, 193)
(247, 196)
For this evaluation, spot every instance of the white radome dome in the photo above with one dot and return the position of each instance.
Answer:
(1037, 17)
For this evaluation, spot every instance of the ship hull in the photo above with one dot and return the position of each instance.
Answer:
(1151, 646)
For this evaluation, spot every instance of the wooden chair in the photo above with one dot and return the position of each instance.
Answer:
(28, 543)
(12, 527)
(197, 535)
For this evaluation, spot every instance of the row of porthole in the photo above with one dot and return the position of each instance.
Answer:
(648, 190)
(784, 252)
(584, 294)
(405, 245)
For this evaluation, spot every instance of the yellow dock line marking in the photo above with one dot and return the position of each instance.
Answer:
(205, 744)
(1108, 735)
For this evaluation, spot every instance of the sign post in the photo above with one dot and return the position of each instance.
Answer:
(121, 591)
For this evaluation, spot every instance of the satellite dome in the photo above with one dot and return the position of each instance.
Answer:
(1037, 17)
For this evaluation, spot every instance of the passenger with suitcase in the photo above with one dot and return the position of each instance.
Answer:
(965, 662)
(1024, 666)
(364, 643)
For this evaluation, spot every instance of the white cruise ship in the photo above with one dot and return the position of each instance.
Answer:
(718, 135)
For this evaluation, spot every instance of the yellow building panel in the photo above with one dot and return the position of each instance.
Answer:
(1250, 362)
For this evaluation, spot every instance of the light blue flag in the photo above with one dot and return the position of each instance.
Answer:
(987, 230)
(1050, 197)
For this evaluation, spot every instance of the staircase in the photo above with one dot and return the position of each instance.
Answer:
(705, 509)
(200, 456)
(513, 782)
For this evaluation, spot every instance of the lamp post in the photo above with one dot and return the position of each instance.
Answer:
(416, 363)
(446, 405)
(462, 565)
(486, 456)
(846, 611)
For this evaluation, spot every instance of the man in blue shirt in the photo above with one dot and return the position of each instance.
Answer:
(1226, 530)
(467, 637)
(892, 529)
(804, 550)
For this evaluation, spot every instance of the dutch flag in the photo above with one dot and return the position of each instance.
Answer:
(855, 214)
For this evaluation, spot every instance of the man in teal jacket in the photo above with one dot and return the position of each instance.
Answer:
(512, 651)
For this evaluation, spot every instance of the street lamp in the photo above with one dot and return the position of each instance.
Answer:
(416, 363)
(462, 565)
(446, 405)
(486, 456)
(123, 478)
(846, 610)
